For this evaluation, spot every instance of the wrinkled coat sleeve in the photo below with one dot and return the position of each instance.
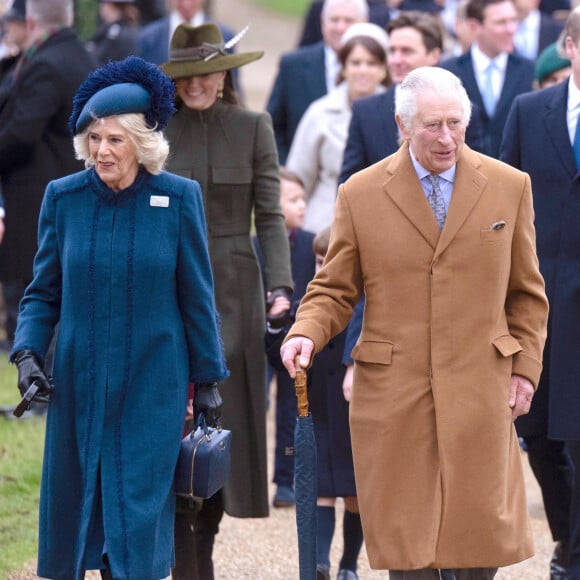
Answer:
(526, 295)
(336, 289)
(267, 213)
(40, 307)
(23, 122)
(195, 279)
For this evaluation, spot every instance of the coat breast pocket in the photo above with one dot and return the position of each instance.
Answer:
(230, 195)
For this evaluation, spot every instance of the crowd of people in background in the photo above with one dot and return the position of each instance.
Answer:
(275, 175)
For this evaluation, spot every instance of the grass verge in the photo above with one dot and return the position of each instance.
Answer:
(21, 446)
(289, 7)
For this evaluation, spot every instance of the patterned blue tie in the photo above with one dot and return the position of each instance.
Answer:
(436, 200)
(576, 144)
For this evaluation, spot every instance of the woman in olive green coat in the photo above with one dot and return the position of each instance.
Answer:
(231, 152)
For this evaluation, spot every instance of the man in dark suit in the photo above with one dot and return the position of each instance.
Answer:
(35, 144)
(154, 39)
(535, 29)
(492, 75)
(553, 168)
(312, 31)
(308, 73)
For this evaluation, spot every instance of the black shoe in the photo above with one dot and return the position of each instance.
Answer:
(559, 561)
(322, 572)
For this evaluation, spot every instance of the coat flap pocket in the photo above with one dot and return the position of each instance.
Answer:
(233, 175)
(507, 345)
(373, 351)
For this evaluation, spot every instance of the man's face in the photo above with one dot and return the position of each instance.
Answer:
(573, 53)
(337, 19)
(187, 8)
(496, 33)
(407, 52)
(437, 131)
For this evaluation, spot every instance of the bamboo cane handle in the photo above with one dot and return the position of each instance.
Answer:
(301, 391)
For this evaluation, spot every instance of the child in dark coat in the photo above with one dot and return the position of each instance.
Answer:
(329, 406)
(293, 204)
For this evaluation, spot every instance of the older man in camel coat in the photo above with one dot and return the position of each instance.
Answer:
(451, 345)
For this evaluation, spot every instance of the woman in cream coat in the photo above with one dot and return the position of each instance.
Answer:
(317, 148)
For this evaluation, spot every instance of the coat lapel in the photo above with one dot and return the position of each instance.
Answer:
(406, 192)
(469, 184)
(556, 126)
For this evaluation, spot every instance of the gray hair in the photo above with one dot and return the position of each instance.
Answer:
(428, 79)
(363, 7)
(152, 147)
(51, 12)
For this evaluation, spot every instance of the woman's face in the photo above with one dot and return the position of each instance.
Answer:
(200, 92)
(114, 153)
(363, 72)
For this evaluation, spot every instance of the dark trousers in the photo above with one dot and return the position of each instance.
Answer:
(194, 535)
(285, 421)
(553, 469)
(574, 567)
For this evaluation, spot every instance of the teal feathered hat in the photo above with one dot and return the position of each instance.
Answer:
(131, 85)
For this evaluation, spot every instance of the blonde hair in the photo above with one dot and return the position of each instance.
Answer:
(151, 146)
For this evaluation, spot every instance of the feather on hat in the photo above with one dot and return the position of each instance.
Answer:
(131, 85)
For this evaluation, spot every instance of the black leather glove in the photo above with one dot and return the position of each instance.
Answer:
(30, 371)
(282, 319)
(207, 401)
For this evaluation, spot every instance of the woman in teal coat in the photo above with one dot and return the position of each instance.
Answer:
(232, 153)
(123, 266)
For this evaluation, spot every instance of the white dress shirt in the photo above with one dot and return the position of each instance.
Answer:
(175, 20)
(481, 63)
(527, 37)
(573, 108)
(331, 67)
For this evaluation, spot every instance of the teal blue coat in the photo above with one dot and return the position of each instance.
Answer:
(128, 276)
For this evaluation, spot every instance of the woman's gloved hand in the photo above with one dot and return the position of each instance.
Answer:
(30, 371)
(208, 401)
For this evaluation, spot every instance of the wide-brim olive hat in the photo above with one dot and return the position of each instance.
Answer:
(200, 50)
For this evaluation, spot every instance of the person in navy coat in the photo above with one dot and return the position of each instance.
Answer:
(123, 267)
(312, 30)
(512, 74)
(538, 138)
(154, 38)
(308, 73)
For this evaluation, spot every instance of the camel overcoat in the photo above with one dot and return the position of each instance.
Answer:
(449, 317)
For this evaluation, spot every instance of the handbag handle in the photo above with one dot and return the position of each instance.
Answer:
(201, 422)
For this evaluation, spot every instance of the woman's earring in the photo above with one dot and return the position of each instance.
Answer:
(220, 92)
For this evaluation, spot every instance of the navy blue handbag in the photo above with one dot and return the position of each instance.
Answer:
(203, 466)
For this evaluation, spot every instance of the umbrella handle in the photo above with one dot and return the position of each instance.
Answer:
(301, 391)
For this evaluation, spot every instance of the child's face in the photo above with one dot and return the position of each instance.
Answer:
(319, 262)
(293, 203)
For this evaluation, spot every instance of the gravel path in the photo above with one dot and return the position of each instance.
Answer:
(266, 549)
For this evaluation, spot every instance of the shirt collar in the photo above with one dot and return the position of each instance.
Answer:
(481, 61)
(447, 175)
(573, 94)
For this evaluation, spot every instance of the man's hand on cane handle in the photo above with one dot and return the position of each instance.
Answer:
(297, 345)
